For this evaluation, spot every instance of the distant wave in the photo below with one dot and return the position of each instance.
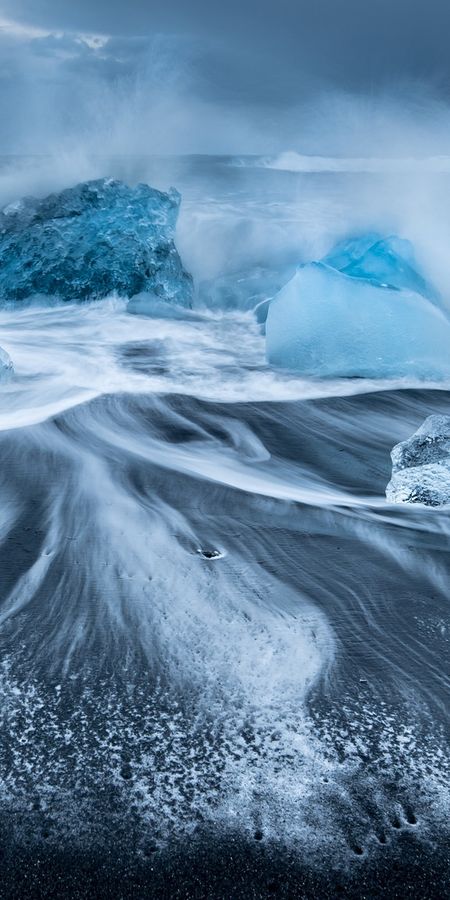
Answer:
(290, 161)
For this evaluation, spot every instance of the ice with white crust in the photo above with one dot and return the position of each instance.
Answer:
(421, 465)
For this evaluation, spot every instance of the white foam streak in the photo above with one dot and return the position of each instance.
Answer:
(231, 628)
(64, 356)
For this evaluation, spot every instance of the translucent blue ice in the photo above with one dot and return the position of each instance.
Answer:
(384, 261)
(91, 240)
(363, 311)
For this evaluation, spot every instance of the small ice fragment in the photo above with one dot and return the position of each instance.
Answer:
(421, 465)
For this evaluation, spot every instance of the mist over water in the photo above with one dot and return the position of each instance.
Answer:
(212, 622)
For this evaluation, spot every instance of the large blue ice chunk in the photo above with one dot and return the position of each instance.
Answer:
(421, 465)
(327, 322)
(91, 240)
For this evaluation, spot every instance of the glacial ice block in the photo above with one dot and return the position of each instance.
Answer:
(91, 240)
(6, 366)
(327, 323)
(421, 465)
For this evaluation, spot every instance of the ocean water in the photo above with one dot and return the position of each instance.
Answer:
(223, 654)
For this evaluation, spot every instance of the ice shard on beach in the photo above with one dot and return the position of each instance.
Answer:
(421, 465)
(86, 242)
(365, 311)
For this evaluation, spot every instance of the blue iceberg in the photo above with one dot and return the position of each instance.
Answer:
(92, 240)
(421, 465)
(363, 311)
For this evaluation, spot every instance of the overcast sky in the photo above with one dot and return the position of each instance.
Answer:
(193, 75)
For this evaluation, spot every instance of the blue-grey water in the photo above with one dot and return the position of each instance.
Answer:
(223, 654)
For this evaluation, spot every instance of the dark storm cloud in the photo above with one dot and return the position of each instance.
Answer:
(255, 49)
(241, 76)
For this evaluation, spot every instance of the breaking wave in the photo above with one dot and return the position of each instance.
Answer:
(290, 161)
